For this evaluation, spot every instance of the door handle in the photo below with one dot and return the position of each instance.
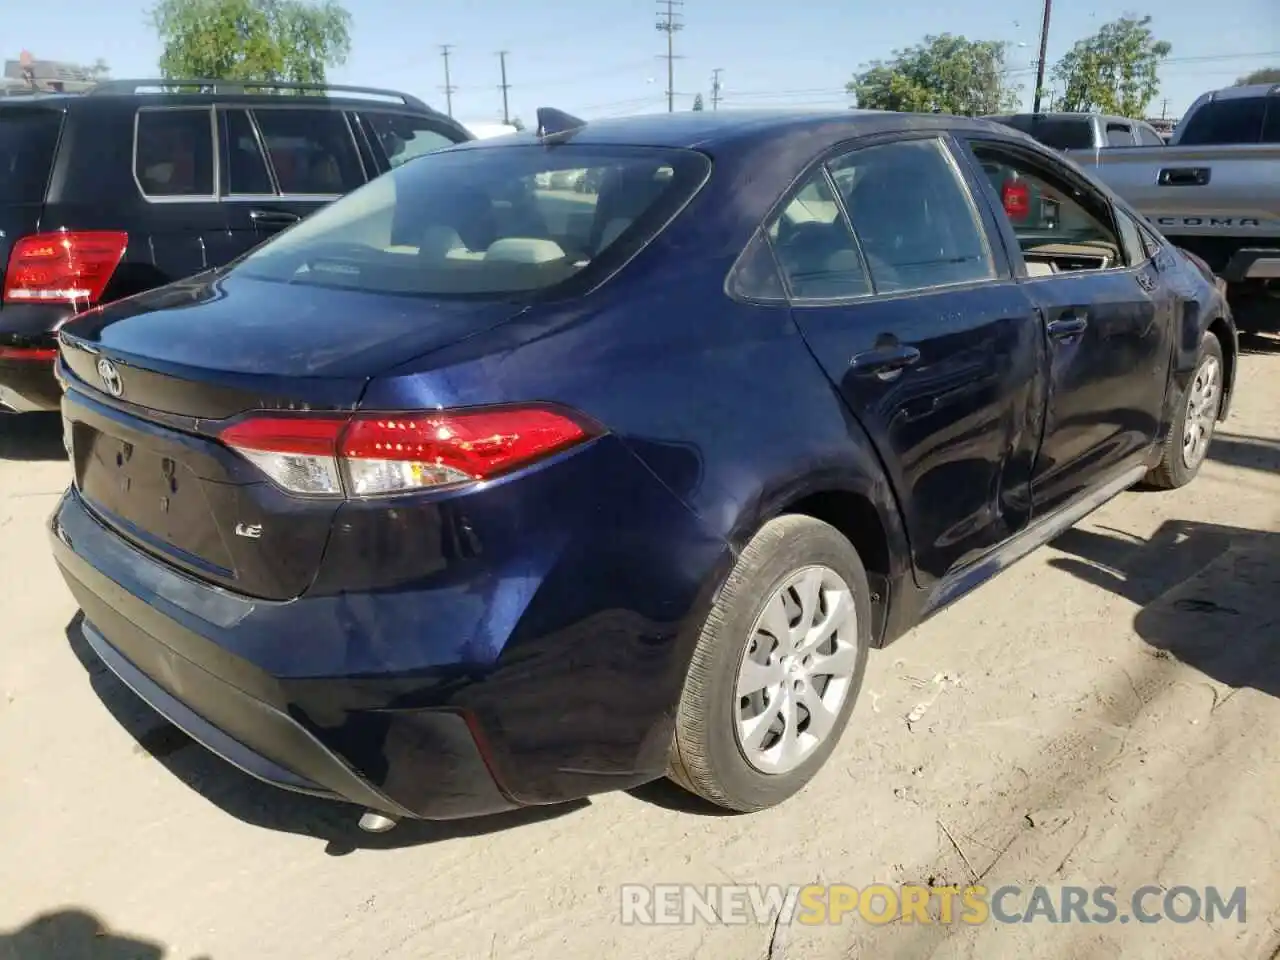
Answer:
(1070, 324)
(273, 219)
(1183, 177)
(885, 362)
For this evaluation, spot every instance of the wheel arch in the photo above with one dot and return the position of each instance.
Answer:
(864, 510)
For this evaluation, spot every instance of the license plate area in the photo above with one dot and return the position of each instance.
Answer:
(147, 494)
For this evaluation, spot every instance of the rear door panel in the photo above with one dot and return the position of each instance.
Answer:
(958, 423)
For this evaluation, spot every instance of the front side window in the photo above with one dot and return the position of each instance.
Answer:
(913, 216)
(487, 222)
(173, 152)
(1148, 137)
(1059, 226)
(311, 151)
(1135, 249)
(404, 137)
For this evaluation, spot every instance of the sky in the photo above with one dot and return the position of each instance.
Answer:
(600, 58)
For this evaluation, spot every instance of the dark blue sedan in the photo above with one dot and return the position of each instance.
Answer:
(551, 464)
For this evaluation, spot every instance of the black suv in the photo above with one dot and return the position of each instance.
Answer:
(139, 183)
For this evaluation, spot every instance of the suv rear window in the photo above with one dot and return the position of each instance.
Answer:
(1060, 133)
(487, 221)
(1237, 120)
(28, 138)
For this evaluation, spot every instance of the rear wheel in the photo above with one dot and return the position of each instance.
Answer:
(1187, 445)
(777, 668)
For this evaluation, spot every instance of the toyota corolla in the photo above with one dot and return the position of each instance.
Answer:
(469, 492)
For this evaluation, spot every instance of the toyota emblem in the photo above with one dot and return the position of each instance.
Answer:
(110, 377)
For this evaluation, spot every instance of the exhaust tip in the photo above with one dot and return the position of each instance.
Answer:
(372, 822)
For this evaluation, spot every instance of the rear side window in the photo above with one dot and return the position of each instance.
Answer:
(1236, 120)
(28, 139)
(1119, 135)
(404, 137)
(311, 151)
(488, 222)
(246, 166)
(913, 216)
(816, 248)
(173, 153)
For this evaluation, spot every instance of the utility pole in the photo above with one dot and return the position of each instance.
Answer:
(1164, 109)
(504, 87)
(669, 23)
(448, 87)
(715, 86)
(1044, 50)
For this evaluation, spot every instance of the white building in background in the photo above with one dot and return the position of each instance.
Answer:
(485, 130)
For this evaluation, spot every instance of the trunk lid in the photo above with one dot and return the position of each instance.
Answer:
(153, 379)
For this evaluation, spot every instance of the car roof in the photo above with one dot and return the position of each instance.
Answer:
(707, 130)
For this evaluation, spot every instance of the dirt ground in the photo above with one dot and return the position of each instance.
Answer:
(1115, 720)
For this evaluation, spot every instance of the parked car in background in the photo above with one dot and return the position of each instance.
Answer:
(462, 496)
(1215, 191)
(141, 182)
(1083, 131)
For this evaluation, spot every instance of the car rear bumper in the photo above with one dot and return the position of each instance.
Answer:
(259, 723)
(28, 385)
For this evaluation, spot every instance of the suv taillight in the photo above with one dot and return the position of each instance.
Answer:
(370, 454)
(69, 266)
(1016, 198)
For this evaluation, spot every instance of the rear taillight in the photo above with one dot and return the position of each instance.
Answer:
(1016, 197)
(63, 267)
(35, 354)
(378, 454)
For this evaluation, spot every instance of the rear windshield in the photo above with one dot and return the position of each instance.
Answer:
(494, 221)
(28, 138)
(1237, 120)
(1060, 133)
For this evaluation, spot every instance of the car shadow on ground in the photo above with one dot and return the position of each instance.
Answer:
(31, 436)
(1210, 594)
(74, 934)
(262, 805)
(1259, 343)
(1251, 453)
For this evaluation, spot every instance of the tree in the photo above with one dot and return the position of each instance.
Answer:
(697, 102)
(1114, 71)
(517, 123)
(944, 74)
(1265, 75)
(98, 70)
(267, 40)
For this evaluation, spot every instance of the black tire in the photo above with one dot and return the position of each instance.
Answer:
(1173, 470)
(706, 758)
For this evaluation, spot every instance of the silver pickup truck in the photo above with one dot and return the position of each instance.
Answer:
(1215, 192)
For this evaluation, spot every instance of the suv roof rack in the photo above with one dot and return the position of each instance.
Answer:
(243, 86)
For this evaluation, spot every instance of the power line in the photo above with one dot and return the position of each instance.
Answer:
(715, 86)
(448, 88)
(669, 23)
(504, 87)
